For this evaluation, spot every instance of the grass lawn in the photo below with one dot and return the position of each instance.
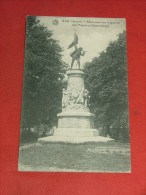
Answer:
(89, 157)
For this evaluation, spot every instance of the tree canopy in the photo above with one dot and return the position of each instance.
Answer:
(106, 80)
(43, 76)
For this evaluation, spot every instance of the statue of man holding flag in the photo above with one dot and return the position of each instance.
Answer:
(77, 53)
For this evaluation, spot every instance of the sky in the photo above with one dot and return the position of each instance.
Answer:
(94, 34)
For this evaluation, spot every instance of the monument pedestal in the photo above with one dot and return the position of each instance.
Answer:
(76, 120)
(75, 123)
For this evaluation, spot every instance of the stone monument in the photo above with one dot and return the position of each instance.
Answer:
(75, 122)
(75, 118)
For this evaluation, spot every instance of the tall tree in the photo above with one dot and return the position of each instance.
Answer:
(43, 76)
(107, 82)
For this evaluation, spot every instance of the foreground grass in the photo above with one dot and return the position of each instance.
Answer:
(111, 157)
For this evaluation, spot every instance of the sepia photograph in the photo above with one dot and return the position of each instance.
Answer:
(75, 108)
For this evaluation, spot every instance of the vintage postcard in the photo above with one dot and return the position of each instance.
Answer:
(75, 115)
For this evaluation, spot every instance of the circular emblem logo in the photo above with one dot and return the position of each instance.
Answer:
(55, 22)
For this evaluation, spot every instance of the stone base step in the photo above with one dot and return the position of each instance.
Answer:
(74, 140)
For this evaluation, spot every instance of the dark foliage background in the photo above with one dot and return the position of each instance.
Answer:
(106, 80)
(43, 77)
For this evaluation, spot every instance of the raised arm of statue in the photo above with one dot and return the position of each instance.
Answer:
(75, 47)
